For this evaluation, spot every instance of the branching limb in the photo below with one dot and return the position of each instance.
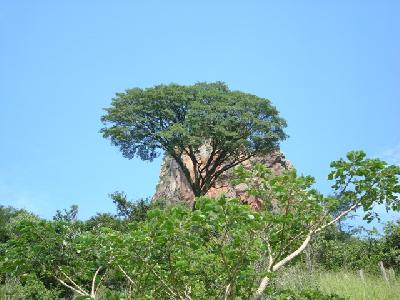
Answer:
(264, 282)
(126, 275)
(288, 258)
(338, 217)
(100, 281)
(82, 291)
(72, 288)
(228, 290)
(260, 291)
(171, 291)
(188, 290)
(93, 290)
(270, 257)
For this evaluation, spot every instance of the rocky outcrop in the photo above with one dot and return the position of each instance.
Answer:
(173, 187)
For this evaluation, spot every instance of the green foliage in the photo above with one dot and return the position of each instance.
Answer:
(197, 252)
(296, 212)
(221, 249)
(294, 209)
(37, 246)
(391, 245)
(130, 210)
(291, 207)
(70, 215)
(29, 288)
(366, 182)
(10, 216)
(104, 220)
(307, 294)
(127, 211)
(179, 119)
(6, 214)
(336, 250)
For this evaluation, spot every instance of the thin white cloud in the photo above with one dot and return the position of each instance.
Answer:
(32, 201)
(392, 154)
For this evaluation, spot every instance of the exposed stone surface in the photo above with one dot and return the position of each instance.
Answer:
(173, 187)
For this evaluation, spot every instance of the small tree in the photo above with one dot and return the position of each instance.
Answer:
(180, 119)
(225, 251)
(301, 212)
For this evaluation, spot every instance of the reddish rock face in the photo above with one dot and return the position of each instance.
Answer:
(173, 187)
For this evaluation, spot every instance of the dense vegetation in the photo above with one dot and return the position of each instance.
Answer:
(218, 248)
(221, 250)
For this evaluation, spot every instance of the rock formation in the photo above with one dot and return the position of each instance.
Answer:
(173, 187)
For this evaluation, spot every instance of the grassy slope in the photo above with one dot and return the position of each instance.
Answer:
(350, 285)
(345, 283)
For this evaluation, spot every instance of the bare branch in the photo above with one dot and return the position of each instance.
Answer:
(188, 290)
(288, 258)
(101, 279)
(165, 284)
(93, 291)
(126, 275)
(338, 217)
(72, 288)
(260, 291)
(73, 282)
(227, 291)
(290, 241)
(265, 280)
(271, 260)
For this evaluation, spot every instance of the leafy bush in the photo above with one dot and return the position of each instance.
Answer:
(29, 287)
(307, 294)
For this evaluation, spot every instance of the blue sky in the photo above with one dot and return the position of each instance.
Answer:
(332, 69)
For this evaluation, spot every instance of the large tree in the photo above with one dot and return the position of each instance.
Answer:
(180, 119)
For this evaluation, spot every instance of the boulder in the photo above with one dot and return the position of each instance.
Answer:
(173, 187)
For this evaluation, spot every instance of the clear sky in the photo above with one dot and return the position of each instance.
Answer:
(332, 69)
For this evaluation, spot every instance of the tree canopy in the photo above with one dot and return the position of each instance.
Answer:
(178, 120)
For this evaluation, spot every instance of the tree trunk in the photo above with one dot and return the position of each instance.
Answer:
(260, 291)
(384, 275)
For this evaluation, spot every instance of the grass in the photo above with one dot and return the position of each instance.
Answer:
(350, 285)
(346, 284)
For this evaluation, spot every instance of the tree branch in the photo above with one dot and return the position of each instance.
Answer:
(72, 288)
(260, 291)
(288, 258)
(186, 172)
(73, 282)
(265, 280)
(227, 291)
(165, 284)
(101, 279)
(93, 290)
(341, 215)
(210, 159)
(126, 275)
(214, 176)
